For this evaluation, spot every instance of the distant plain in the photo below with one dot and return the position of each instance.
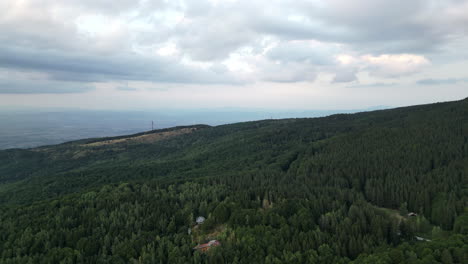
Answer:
(38, 127)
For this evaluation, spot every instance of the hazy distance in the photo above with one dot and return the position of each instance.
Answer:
(37, 127)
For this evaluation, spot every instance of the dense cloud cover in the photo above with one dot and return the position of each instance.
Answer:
(49, 46)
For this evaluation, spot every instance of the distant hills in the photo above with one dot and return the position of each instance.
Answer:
(26, 128)
(338, 189)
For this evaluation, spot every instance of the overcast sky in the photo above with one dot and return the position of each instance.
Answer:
(150, 54)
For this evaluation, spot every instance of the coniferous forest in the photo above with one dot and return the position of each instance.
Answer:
(387, 186)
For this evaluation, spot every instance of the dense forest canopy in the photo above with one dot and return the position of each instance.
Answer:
(387, 186)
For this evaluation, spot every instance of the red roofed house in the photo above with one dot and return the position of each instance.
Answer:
(206, 246)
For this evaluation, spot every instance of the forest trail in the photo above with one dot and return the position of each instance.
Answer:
(148, 138)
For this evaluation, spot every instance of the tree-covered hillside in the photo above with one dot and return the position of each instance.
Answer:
(386, 186)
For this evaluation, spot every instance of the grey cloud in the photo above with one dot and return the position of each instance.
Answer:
(110, 6)
(209, 38)
(41, 87)
(288, 73)
(441, 81)
(126, 88)
(376, 26)
(278, 25)
(159, 89)
(345, 75)
(210, 32)
(71, 66)
(371, 26)
(33, 40)
(52, 61)
(298, 61)
(372, 85)
(302, 52)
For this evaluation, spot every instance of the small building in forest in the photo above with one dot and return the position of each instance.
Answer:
(200, 220)
(205, 247)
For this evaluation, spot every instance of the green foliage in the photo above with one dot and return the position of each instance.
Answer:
(284, 191)
(449, 250)
(461, 223)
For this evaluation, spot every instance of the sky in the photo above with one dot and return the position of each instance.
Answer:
(154, 54)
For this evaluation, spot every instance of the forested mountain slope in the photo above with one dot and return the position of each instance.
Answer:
(324, 190)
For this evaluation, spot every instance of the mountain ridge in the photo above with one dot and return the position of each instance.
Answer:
(334, 182)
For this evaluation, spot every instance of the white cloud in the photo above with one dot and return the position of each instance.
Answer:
(239, 43)
(384, 65)
(345, 59)
(395, 65)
